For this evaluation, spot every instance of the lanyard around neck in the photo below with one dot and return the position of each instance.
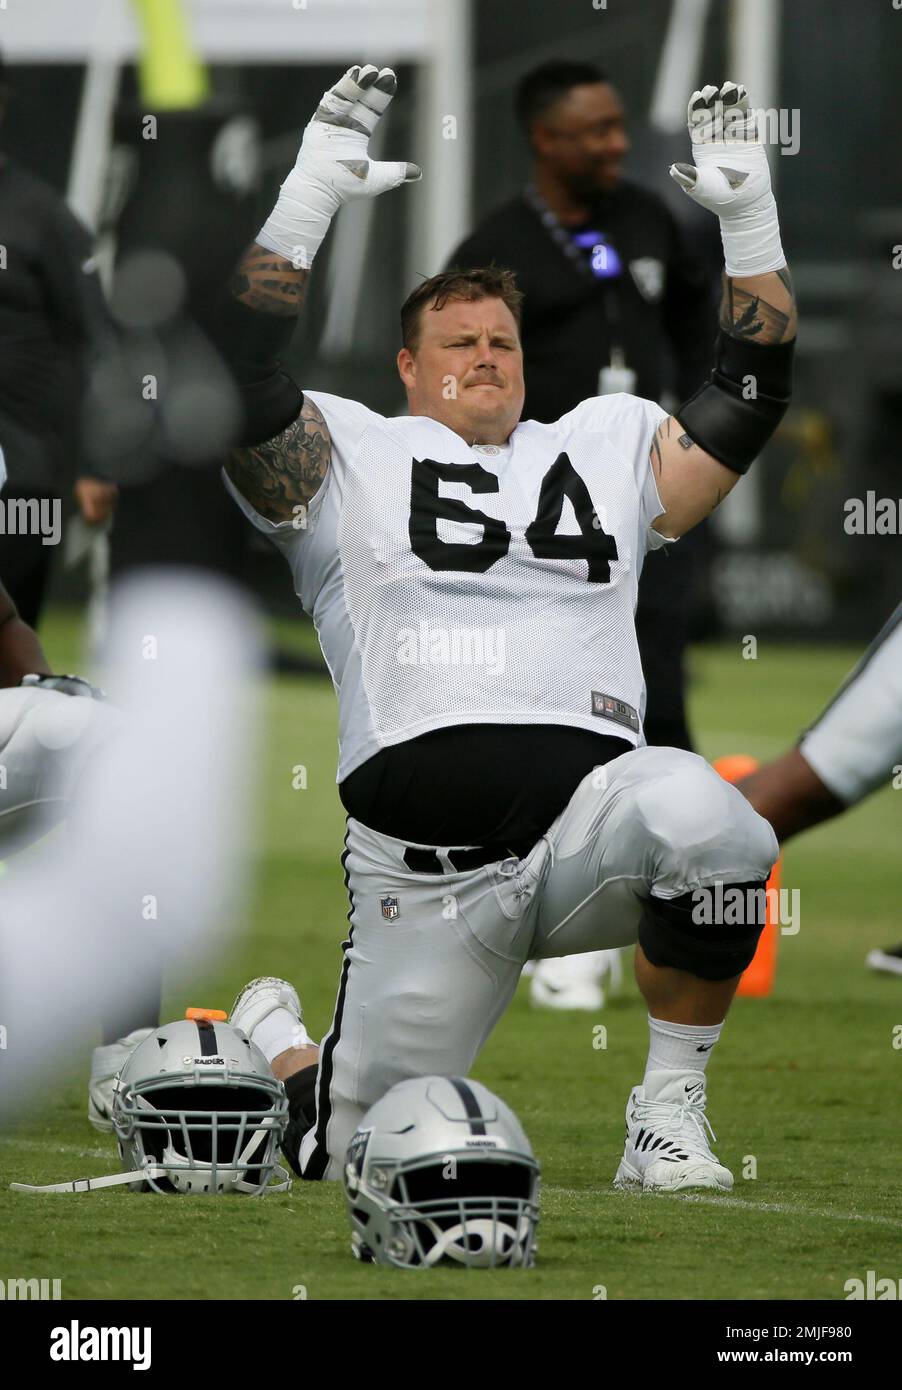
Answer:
(558, 234)
(576, 256)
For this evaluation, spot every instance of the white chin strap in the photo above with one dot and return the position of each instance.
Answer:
(92, 1184)
(498, 1242)
(279, 1181)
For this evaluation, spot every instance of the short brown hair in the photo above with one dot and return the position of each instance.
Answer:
(487, 282)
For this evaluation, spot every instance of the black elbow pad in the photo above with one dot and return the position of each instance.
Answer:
(252, 343)
(734, 414)
(268, 407)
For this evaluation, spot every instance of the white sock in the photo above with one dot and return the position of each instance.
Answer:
(679, 1046)
(279, 1031)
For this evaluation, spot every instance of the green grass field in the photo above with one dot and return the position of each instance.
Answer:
(805, 1083)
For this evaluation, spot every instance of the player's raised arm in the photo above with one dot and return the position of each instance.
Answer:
(699, 453)
(285, 445)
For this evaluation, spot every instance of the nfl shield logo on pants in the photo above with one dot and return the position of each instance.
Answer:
(390, 909)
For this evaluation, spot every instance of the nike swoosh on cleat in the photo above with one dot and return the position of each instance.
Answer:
(705, 1047)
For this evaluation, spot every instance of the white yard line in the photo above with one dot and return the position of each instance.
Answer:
(788, 1209)
(780, 1208)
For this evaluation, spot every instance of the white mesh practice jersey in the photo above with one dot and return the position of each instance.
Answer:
(455, 584)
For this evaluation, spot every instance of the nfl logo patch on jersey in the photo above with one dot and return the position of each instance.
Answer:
(390, 909)
(609, 707)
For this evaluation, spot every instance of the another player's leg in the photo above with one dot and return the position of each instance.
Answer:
(576, 982)
(789, 794)
(853, 748)
(48, 737)
(107, 1061)
(887, 962)
(647, 849)
(122, 1031)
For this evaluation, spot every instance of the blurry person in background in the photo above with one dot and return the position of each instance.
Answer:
(47, 742)
(615, 300)
(156, 791)
(181, 208)
(53, 320)
(54, 328)
(21, 653)
(180, 204)
(185, 212)
(842, 757)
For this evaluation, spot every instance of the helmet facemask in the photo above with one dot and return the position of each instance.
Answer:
(459, 1208)
(210, 1135)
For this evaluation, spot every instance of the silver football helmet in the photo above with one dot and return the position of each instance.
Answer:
(440, 1171)
(197, 1109)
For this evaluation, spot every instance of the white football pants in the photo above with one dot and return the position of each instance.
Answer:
(434, 959)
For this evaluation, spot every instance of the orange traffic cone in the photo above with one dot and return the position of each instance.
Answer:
(758, 979)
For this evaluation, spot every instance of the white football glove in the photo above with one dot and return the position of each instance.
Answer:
(333, 165)
(731, 177)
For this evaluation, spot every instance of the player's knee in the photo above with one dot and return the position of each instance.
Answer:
(684, 804)
(696, 825)
(710, 856)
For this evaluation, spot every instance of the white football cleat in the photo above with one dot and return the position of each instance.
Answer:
(106, 1063)
(259, 999)
(889, 961)
(667, 1147)
(575, 982)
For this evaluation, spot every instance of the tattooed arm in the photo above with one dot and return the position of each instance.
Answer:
(699, 454)
(281, 465)
(283, 473)
(759, 310)
(333, 167)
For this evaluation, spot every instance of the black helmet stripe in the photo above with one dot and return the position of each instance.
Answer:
(207, 1034)
(471, 1104)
